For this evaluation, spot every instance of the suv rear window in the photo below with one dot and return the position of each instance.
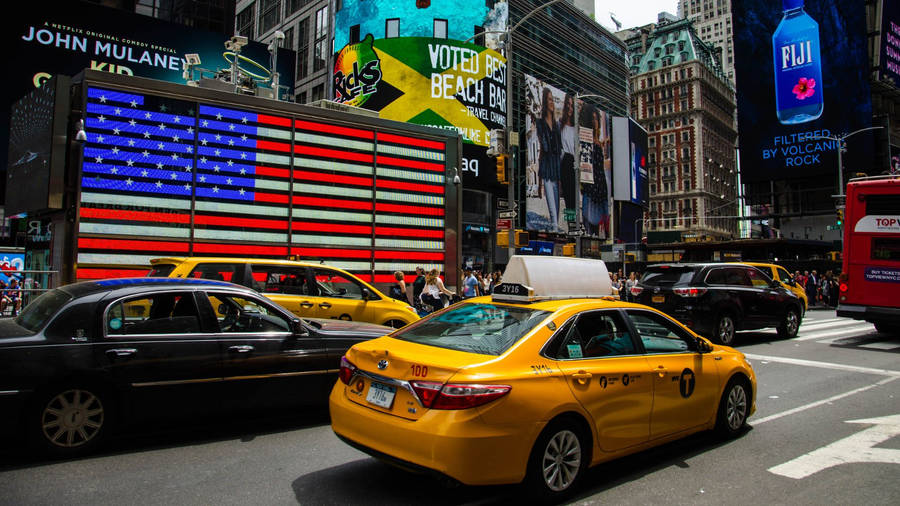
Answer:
(662, 276)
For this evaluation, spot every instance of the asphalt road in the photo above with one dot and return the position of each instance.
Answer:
(825, 432)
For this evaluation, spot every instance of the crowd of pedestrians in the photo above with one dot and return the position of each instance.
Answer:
(822, 291)
(429, 293)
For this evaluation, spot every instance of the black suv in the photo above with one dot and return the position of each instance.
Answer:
(717, 299)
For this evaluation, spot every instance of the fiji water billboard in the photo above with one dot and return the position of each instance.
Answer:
(408, 61)
(802, 83)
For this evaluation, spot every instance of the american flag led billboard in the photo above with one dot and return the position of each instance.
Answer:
(168, 177)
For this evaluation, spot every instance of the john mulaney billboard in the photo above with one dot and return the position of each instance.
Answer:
(801, 79)
(410, 62)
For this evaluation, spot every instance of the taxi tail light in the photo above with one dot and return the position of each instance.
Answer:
(347, 371)
(636, 290)
(457, 396)
(690, 292)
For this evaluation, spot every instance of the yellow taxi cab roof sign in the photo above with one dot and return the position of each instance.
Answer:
(531, 278)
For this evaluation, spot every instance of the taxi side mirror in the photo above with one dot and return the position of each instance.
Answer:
(703, 346)
(366, 294)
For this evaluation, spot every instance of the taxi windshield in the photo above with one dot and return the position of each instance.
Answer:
(486, 329)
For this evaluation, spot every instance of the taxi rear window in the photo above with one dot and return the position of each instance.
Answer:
(487, 329)
(161, 271)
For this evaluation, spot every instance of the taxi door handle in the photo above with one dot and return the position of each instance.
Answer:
(325, 305)
(581, 376)
(661, 371)
(306, 305)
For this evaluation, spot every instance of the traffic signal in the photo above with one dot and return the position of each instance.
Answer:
(501, 169)
(840, 217)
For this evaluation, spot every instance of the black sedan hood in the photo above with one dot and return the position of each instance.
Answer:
(348, 328)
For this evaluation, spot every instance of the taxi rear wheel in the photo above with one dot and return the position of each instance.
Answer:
(733, 408)
(557, 462)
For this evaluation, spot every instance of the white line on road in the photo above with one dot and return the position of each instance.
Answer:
(824, 365)
(823, 401)
(837, 322)
(846, 331)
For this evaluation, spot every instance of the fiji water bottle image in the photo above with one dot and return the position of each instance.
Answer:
(798, 66)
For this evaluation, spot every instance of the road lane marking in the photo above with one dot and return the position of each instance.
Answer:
(830, 323)
(824, 365)
(823, 401)
(845, 332)
(859, 447)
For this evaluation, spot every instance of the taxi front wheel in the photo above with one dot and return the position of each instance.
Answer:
(557, 461)
(733, 408)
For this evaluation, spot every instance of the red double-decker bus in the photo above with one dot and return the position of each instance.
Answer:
(870, 277)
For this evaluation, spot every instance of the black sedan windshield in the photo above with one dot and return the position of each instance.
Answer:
(38, 313)
(477, 328)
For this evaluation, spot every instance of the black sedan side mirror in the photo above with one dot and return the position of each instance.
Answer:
(298, 328)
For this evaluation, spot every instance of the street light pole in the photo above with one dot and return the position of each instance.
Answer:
(840, 140)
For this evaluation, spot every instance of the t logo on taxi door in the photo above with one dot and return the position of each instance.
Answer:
(686, 384)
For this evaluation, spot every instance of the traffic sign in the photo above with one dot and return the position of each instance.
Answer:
(506, 214)
(504, 224)
(504, 204)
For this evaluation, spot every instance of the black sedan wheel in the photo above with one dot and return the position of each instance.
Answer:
(724, 332)
(790, 325)
(71, 420)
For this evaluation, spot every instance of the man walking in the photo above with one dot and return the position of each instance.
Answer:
(418, 286)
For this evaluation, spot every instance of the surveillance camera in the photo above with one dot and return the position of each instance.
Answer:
(279, 35)
(239, 40)
(192, 59)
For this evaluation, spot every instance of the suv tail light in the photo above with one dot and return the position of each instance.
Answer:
(457, 396)
(347, 371)
(689, 291)
(636, 290)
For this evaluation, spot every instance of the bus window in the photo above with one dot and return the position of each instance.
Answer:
(886, 248)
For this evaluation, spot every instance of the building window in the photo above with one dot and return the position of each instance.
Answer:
(294, 6)
(301, 98)
(245, 22)
(269, 14)
(288, 42)
(303, 49)
(392, 28)
(320, 52)
(318, 92)
(440, 28)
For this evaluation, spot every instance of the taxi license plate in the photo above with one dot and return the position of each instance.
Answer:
(381, 395)
(659, 298)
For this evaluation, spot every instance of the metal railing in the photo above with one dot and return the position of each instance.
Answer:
(31, 285)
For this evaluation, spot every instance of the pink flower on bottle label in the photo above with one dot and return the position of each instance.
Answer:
(804, 88)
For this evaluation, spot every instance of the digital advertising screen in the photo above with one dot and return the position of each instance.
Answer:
(567, 145)
(630, 177)
(890, 40)
(802, 80)
(43, 41)
(169, 177)
(411, 62)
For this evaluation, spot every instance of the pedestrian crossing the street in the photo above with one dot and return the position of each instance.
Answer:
(846, 332)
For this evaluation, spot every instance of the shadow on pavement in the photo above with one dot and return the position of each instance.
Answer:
(139, 438)
(369, 481)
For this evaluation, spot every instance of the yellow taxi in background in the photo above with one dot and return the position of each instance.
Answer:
(780, 274)
(308, 290)
(537, 382)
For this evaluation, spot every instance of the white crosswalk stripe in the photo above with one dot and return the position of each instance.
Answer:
(845, 328)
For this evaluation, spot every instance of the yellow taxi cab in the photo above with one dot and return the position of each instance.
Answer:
(306, 289)
(780, 274)
(536, 382)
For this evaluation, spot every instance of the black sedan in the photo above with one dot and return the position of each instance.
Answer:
(83, 358)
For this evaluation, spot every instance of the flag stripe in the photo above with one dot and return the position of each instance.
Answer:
(334, 129)
(410, 141)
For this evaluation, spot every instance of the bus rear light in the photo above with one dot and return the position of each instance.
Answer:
(843, 288)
